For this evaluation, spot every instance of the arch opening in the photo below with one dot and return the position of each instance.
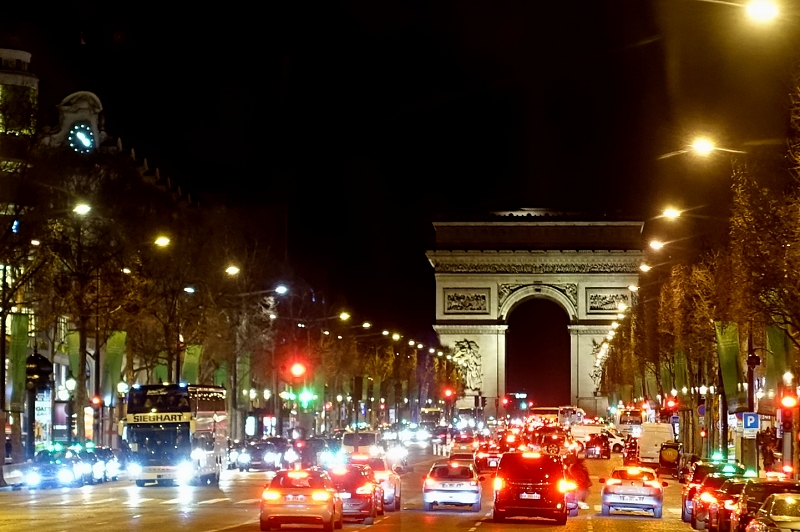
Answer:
(538, 354)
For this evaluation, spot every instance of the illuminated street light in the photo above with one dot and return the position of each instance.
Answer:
(344, 316)
(162, 241)
(366, 325)
(671, 214)
(703, 147)
(762, 10)
(645, 268)
(232, 270)
(189, 289)
(656, 244)
(82, 209)
(633, 288)
(395, 337)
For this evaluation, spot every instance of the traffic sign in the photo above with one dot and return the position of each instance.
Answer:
(751, 422)
(675, 419)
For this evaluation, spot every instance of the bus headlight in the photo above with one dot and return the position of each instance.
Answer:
(33, 479)
(134, 469)
(185, 472)
(197, 454)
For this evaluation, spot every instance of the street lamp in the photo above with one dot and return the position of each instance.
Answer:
(70, 384)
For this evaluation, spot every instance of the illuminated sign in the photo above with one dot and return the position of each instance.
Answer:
(156, 417)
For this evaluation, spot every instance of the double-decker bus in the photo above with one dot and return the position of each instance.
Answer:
(176, 433)
(629, 421)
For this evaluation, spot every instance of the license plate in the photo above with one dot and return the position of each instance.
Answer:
(633, 499)
(344, 495)
(295, 498)
(492, 463)
(529, 496)
(452, 485)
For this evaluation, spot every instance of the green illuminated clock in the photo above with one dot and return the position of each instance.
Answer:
(81, 138)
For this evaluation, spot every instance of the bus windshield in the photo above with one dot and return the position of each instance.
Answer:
(159, 440)
(630, 417)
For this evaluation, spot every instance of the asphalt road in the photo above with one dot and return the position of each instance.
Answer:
(234, 506)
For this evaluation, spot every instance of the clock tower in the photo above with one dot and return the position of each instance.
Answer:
(81, 123)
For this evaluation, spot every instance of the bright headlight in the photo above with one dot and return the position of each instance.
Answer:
(374, 450)
(185, 471)
(134, 469)
(65, 476)
(85, 468)
(33, 479)
(197, 454)
(271, 457)
(291, 456)
(234, 455)
(244, 457)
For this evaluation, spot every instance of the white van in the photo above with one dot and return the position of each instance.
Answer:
(650, 440)
(581, 433)
(365, 442)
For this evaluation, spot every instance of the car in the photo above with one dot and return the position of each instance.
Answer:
(387, 476)
(111, 463)
(94, 469)
(532, 484)
(697, 473)
(753, 495)
(487, 456)
(55, 468)
(632, 488)
(464, 443)
(630, 451)
(718, 518)
(452, 484)
(555, 443)
(780, 511)
(263, 456)
(301, 496)
(705, 496)
(597, 446)
(615, 439)
(361, 493)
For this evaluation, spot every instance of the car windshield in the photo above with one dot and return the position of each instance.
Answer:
(453, 473)
(515, 466)
(786, 508)
(758, 491)
(348, 479)
(732, 488)
(634, 473)
(714, 482)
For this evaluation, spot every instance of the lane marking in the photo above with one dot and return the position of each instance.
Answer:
(213, 501)
(99, 501)
(248, 501)
(172, 501)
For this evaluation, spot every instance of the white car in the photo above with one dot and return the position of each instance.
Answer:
(633, 489)
(386, 475)
(452, 484)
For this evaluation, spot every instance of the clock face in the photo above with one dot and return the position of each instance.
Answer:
(81, 138)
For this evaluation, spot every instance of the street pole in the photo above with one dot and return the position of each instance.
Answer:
(749, 447)
(97, 429)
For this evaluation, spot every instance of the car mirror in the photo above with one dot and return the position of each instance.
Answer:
(664, 484)
(481, 479)
(602, 481)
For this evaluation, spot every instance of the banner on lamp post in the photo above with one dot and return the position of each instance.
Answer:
(728, 351)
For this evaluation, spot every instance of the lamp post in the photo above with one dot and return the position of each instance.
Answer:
(749, 448)
(70, 384)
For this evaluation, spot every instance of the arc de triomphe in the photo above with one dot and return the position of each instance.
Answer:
(484, 269)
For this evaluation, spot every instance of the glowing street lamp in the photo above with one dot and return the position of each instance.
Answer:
(82, 209)
(703, 147)
(162, 241)
(762, 10)
(232, 270)
(671, 214)
(645, 268)
(656, 244)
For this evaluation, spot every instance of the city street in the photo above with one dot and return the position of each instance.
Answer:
(234, 506)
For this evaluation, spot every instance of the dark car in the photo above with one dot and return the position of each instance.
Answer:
(705, 496)
(719, 510)
(55, 468)
(487, 456)
(697, 474)
(597, 446)
(630, 451)
(780, 511)
(362, 496)
(111, 463)
(94, 469)
(532, 484)
(753, 495)
(259, 456)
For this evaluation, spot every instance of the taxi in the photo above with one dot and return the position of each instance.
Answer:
(452, 484)
(302, 496)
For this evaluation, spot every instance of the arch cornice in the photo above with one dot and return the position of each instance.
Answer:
(470, 329)
(538, 291)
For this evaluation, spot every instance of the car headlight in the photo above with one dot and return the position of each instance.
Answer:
(271, 457)
(185, 471)
(65, 476)
(134, 469)
(291, 456)
(197, 454)
(234, 455)
(98, 469)
(33, 479)
(86, 468)
(244, 458)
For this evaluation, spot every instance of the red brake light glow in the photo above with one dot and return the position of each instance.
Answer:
(366, 489)
(499, 483)
(297, 474)
(613, 482)
(707, 497)
(565, 485)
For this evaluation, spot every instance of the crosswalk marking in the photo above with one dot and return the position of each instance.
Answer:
(101, 501)
(212, 501)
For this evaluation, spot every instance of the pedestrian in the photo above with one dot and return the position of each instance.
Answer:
(579, 473)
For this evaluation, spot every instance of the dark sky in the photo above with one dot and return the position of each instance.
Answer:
(368, 118)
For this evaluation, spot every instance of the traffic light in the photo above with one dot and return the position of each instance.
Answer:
(788, 406)
(297, 370)
(448, 393)
(97, 403)
(703, 433)
(672, 404)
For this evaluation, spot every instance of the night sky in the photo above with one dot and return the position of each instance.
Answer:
(368, 119)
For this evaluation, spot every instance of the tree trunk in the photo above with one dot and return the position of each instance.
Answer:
(81, 394)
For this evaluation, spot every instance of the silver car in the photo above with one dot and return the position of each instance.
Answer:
(633, 489)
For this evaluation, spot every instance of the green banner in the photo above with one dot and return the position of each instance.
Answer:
(681, 373)
(777, 347)
(221, 376)
(730, 366)
(112, 363)
(190, 370)
(243, 372)
(667, 380)
(73, 352)
(17, 356)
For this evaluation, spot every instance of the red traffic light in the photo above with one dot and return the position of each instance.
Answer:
(297, 369)
(97, 401)
(788, 401)
(448, 393)
(505, 401)
(703, 433)
(671, 403)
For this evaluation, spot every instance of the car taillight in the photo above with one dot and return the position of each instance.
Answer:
(707, 497)
(320, 495)
(565, 485)
(366, 489)
(499, 483)
(613, 482)
(381, 475)
(653, 484)
(482, 455)
(730, 505)
(270, 495)
(473, 483)
(429, 482)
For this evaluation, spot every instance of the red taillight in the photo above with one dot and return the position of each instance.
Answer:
(707, 497)
(270, 495)
(320, 496)
(366, 489)
(730, 505)
(482, 455)
(499, 483)
(613, 482)
(429, 482)
(565, 485)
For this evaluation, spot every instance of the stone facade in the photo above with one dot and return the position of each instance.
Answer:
(477, 289)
